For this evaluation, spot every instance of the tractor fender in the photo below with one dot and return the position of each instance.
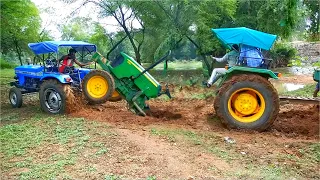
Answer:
(62, 78)
(243, 70)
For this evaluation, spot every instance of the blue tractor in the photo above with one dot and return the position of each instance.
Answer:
(54, 87)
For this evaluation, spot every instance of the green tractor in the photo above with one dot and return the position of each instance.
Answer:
(122, 78)
(245, 99)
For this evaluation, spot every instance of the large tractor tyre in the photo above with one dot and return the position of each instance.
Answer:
(98, 86)
(115, 97)
(53, 96)
(247, 102)
(15, 97)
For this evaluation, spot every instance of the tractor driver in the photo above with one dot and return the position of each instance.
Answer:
(231, 57)
(69, 59)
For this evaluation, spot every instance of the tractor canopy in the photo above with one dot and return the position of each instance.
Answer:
(243, 35)
(53, 46)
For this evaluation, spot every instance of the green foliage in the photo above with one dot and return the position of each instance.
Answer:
(100, 38)
(306, 91)
(284, 17)
(212, 14)
(283, 54)
(314, 15)
(78, 29)
(20, 24)
(151, 178)
(316, 64)
(6, 65)
(112, 177)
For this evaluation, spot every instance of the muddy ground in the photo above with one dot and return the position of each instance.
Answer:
(295, 127)
(182, 138)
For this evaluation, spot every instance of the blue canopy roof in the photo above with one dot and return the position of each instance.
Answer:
(52, 46)
(242, 35)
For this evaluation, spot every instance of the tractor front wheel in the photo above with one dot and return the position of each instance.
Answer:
(98, 86)
(247, 102)
(15, 97)
(53, 96)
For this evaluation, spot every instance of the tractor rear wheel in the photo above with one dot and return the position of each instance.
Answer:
(98, 86)
(247, 101)
(115, 97)
(53, 96)
(15, 97)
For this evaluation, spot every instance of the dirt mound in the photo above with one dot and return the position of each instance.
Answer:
(74, 101)
(165, 114)
(294, 120)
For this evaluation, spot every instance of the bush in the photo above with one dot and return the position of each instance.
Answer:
(6, 65)
(282, 54)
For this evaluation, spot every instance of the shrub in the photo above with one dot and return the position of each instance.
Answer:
(282, 54)
(6, 65)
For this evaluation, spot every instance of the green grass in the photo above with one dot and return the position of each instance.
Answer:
(6, 65)
(306, 91)
(6, 76)
(23, 143)
(178, 65)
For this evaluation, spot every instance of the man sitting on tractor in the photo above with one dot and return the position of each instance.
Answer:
(69, 59)
(250, 56)
(231, 57)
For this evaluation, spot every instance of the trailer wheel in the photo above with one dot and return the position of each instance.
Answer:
(98, 86)
(247, 102)
(115, 97)
(53, 97)
(15, 97)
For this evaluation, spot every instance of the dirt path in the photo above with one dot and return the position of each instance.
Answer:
(169, 160)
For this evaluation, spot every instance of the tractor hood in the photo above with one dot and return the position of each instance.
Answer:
(29, 69)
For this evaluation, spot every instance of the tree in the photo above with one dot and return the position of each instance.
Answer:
(20, 23)
(314, 8)
(78, 29)
(100, 39)
(124, 15)
(278, 17)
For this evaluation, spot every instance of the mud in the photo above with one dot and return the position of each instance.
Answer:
(293, 120)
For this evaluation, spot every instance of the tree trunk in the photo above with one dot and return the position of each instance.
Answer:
(136, 51)
(203, 56)
(318, 20)
(18, 51)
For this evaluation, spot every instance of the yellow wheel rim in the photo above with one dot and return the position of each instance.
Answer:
(115, 94)
(97, 86)
(246, 105)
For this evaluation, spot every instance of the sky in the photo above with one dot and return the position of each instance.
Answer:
(55, 12)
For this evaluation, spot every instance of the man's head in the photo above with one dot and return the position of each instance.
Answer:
(235, 47)
(72, 53)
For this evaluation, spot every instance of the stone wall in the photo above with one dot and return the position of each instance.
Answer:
(310, 51)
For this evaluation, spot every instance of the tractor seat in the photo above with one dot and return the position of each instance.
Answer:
(265, 64)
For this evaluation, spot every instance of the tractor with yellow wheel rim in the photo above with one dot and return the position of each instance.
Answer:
(122, 78)
(245, 98)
